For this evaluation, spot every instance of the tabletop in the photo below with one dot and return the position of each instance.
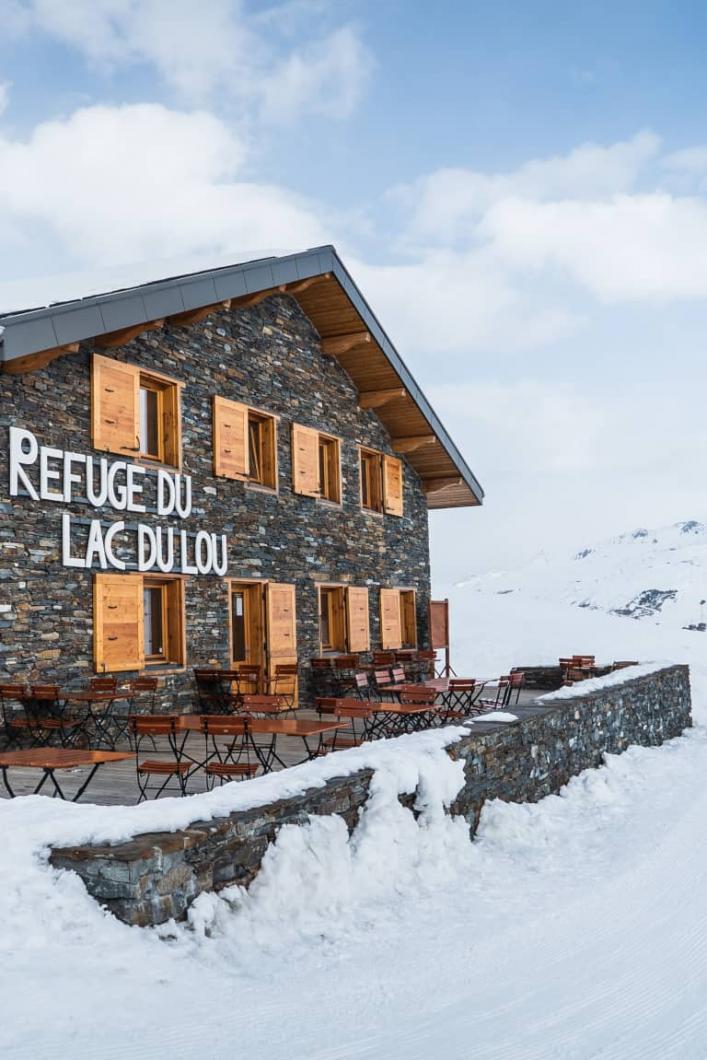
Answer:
(279, 726)
(60, 757)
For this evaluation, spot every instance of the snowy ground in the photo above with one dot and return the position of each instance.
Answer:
(574, 928)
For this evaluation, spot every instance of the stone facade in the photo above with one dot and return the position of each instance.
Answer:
(268, 356)
(155, 877)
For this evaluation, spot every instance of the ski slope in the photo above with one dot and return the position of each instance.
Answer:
(573, 929)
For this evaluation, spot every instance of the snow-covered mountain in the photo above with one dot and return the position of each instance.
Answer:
(657, 576)
(637, 596)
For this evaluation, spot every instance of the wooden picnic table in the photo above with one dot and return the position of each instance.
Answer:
(50, 759)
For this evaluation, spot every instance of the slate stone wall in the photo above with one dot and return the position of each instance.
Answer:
(157, 876)
(268, 356)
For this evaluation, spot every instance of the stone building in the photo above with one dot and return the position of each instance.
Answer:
(221, 468)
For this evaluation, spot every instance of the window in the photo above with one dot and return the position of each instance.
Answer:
(245, 443)
(261, 449)
(381, 482)
(315, 464)
(371, 480)
(343, 618)
(154, 614)
(134, 411)
(329, 477)
(137, 622)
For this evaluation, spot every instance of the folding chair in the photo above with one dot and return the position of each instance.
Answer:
(10, 716)
(142, 728)
(516, 680)
(284, 683)
(460, 695)
(211, 694)
(47, 717)
(233, 762)
(247, 678)
(427, 660)
(500, 699)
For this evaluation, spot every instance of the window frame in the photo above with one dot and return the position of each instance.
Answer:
(332, 467)
(408, 591)
(269, 438)
(341, 634)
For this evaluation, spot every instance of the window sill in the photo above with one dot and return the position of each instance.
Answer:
(258, 487)
(372, 511)
(338, 505)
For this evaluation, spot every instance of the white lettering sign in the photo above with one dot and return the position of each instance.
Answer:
(65, 477)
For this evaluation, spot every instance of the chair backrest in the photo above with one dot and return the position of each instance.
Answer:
(382, 678)
(383, 658)
(320, 664)
(254, 704)
(103, 684)
(517, 679)
(584, 660)
(361, 679)
(398, 675)
(152, 724)
(247, 670)
(213, 725)
(208, 677)
(623, 663)
(326, 704)
(286, 670)
(418, 695)
(462, 684)
(47, 692)
(345, 662)
(143, 684)
(13, 691)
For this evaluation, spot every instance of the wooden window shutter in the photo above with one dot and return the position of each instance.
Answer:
(176, 648)
(281, 636)
(357, 616)
(230, 439)
(117, 622)
(282, 623)
(391, 633)
(393, 485)
(305, 460)
(115, 405)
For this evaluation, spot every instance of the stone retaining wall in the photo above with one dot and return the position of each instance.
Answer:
(157, 876)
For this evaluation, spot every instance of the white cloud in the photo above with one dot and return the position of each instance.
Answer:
(139, 182)
(459, 303)
(446, 206)
(650, 247)
(217, 52)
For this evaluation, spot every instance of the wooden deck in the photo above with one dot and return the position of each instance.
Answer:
(116, 784)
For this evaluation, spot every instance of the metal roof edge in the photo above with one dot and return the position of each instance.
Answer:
(30, 331)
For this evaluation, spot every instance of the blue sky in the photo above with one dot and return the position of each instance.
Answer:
(520, 189)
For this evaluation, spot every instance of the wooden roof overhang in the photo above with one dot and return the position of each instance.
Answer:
(318, 280)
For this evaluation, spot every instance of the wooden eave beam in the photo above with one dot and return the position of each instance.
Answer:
(334, 345)
(193, 316)
(412, 442)
(434, 485)
(123, 335)
(32, 362)
(373, 399)
(248, 300)
(302, 285)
